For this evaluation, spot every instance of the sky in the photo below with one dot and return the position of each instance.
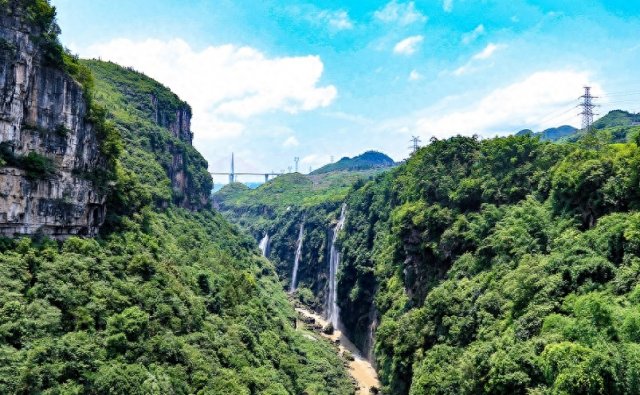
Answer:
(271, 80)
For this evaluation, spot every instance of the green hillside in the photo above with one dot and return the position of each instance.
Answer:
(512, 269)
(143, 111)
(617, 118)
(616, 126)
(173, 303)
(365, 161)
(551, 134)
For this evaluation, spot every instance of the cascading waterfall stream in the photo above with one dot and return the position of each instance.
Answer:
(296, 262)
(264, 245)
(333, 313)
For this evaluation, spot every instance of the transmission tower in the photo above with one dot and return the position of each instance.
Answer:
(587, 109)
(331, 158)
(415, 144)
(296, 159)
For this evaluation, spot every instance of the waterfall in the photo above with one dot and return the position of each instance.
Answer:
(264, 245)
(333, 313)
(296, 262)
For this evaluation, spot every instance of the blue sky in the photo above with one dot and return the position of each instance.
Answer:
(271, 80)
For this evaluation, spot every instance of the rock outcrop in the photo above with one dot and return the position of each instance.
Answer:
(47, 146)
(178, 122)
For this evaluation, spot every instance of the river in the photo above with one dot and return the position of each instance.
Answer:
(360, 368)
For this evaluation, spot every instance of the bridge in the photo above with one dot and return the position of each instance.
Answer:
(233, 174)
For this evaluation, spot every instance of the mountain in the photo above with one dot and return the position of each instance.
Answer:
(508, 270)
(616, 126)
(554, 134)
(168, 297)
(617, 118)
(551, 134)
(511, 269)
(365, 161)
(155, 126)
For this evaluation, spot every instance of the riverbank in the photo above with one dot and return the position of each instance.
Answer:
(360, 368)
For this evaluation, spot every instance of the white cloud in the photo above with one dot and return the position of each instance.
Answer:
(225, 84)
(447, 5)
(483, 55)
(415, 76)
(402, 13)
(337, 20)
(473, 35)
(311, 159)
(408, 46)
(524, 104)
(462, 70)
(487, 52)
(292, 141)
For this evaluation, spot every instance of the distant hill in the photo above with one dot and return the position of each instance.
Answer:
(617, 126)
(551, 134)
(617, 118)
(524, 132)
(365, 161)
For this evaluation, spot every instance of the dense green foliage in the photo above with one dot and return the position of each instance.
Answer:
(617, 118)
(289, 190)
(142, 111)
(616, 127)
(365, 161)
(174, 303)
(36, 166)
(499, 266)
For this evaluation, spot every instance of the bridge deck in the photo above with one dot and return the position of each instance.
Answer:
(246, 174)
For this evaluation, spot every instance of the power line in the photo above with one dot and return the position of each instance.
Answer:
(621, 94)
(557, 114)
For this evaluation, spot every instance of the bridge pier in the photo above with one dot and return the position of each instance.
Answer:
(266, 177)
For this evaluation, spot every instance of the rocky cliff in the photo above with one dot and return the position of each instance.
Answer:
(47, 147)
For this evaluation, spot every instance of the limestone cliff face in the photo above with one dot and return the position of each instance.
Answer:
(178, 122)
(42, 113)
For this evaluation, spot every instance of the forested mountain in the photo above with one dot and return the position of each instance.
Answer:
(512, 268)
(364, 161)
(169, 298)
(616, 126)
(551, 134)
